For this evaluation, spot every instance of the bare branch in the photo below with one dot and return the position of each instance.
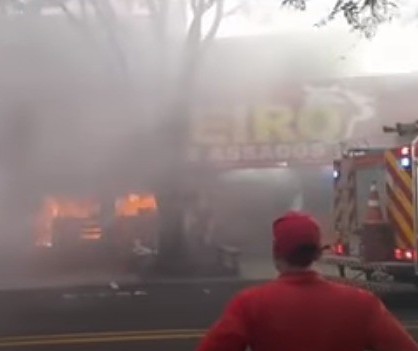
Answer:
(234, 10)
(195, 29)
(152, 6)
(194, 33)
(159, 12)
(219, 14)
(71, 17)
(208, 4)
(194, 4)
(199, 7)
(106, 16)
(83, 5)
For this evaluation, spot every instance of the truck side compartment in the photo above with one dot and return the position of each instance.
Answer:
(391, 173)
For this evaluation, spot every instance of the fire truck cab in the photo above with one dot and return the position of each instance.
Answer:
(389, 252)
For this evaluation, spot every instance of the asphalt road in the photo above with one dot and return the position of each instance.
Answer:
(170, 316)
(155, 317)
(169, 340)
(184, 340)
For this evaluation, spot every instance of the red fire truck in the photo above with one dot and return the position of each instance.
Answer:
(389, 252)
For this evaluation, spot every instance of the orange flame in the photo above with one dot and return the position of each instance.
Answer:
(133, 205)
(54, 207)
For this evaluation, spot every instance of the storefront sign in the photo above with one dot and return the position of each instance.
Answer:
(305, 133)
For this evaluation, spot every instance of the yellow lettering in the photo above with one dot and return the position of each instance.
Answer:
(273, 124)
(322, 124)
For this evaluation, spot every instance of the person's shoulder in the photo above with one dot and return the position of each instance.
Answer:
(354, 292)
(255, 291)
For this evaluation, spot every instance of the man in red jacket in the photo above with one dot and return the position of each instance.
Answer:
(301, 311)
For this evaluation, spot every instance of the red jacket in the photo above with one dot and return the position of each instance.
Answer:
(301, 312)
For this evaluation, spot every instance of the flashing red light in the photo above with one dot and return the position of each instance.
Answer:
(409, 255)
(398, 254)
(405, 254)
(405, 151)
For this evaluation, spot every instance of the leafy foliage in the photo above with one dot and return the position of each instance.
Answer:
(363, 16)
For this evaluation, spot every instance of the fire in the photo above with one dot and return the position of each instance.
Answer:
(134, 204)
(87, 211)
(53, 208)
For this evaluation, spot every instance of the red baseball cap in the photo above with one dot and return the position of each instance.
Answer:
(293, 230)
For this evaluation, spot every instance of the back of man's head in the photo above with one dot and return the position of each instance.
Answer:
(297, 240)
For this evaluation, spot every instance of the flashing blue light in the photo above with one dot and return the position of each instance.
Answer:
(405, 162)
(335, 174)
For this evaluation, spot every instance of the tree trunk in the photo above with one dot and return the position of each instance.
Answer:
(174, 255)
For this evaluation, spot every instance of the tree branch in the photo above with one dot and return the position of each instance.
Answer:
(83, 5)
(71, 17)
(195, 29)
(152, 6)
(234, 10)
(105, 14)
(219, 14)
(208, 4)
(194, 32)
(159, 11)
(194, 4)
(296, 4)
(364, 16)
